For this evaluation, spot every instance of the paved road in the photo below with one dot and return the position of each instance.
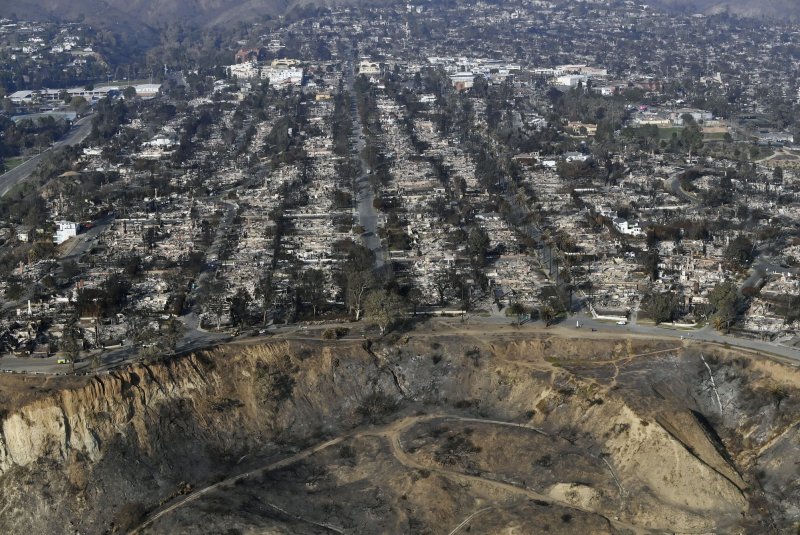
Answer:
(84, 241)
(46, 366)
(474, 322)
(79, 131)
(674, 187)
(706, 334)
(763, 267)
(212, 253)
(193, 339)
(367, 215)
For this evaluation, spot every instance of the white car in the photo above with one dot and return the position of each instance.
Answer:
(622, 322)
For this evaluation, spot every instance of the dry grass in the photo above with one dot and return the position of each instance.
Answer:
(17, 390)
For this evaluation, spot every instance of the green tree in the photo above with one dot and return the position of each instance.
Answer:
(478, 244)
(793, 313)
(416, 298)
(72, 341)
(171, 333)
(14, 291)
(239, 308)
(78, 104)
(659, 307)
(517, 309)
(480, 86)
(691, 135)
(155, 340)
(265, 293)
(741, 251)
(212, 299)
(312, 288)
(383, 308)
(150, 237)
(357, 286)
(650, 263)
(725, 302)
(442, 282)
(115, 289)
(547, 313)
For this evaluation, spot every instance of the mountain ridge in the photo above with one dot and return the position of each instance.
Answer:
(158, 13)
(766, 9)
(207, 13)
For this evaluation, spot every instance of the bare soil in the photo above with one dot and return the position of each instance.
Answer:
(443, 430)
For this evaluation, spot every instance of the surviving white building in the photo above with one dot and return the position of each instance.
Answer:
(91, 95)
(244, 71)
(280, 76)
(629, 228)
(64, 231)
(369, 68)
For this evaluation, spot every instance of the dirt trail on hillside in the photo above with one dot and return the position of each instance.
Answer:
(426, 432)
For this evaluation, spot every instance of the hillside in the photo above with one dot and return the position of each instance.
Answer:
(131, 15)
(152, 13)
(437, 430)
(769, 9)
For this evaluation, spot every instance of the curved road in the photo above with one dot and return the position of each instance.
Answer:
(674, 186)
(76, 135)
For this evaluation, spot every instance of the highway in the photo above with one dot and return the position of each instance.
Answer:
(77, 134)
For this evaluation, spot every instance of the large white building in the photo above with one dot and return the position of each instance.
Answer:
(571, 80)
(244, 71)
(282, 72)
(53, 95)
(64, 231)
(369, 68)
(698, 115)
(280, 76)
(463, 80)
(629, 228)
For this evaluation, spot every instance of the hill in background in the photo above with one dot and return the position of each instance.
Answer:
(135, 14)
(153, 13)
(768, 9)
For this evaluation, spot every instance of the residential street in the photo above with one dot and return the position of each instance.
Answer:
(367, 215)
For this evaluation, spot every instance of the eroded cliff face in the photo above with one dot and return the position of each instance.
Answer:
(649, 446)
(136, 436)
